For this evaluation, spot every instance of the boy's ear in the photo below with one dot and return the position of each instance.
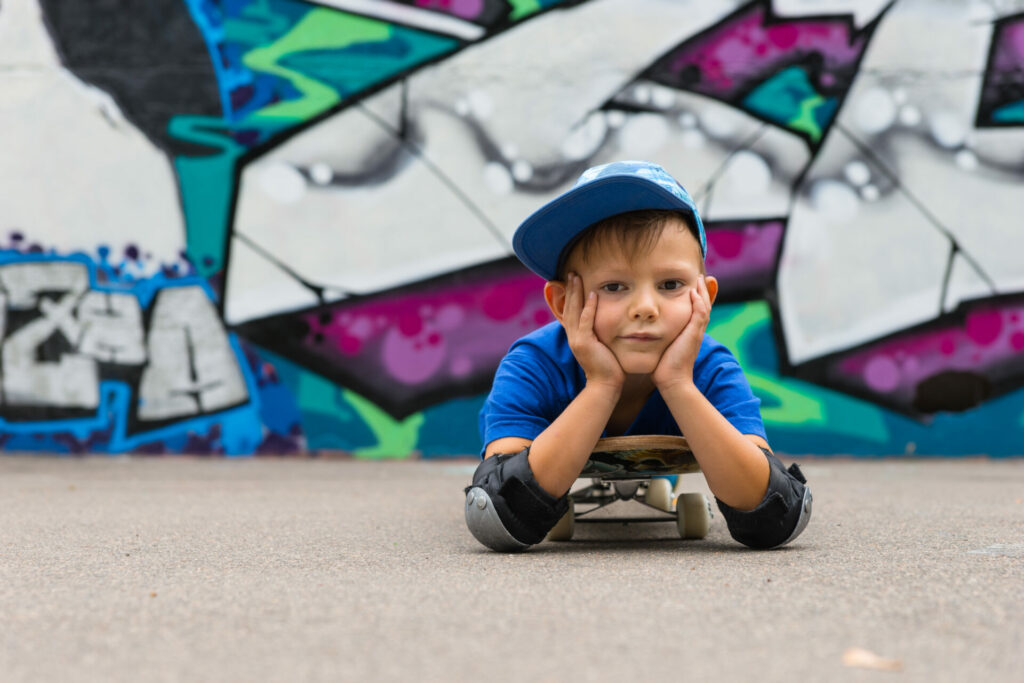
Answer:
(711, 282)
(554, 295)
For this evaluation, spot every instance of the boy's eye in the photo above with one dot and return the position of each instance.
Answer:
(613, 287)
(673, 284)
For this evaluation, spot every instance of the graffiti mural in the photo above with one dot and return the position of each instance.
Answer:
(95, 360)
(407, 350)
(284, 226)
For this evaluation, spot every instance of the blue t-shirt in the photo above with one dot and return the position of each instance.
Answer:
(539, 377)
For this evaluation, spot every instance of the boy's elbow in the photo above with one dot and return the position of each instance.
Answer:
(507, 444)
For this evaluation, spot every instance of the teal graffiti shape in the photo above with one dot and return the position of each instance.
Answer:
(329, 422)
(336, 418)
(207, 184)
(1011, 113)
(790, 402)
(359, 66)
(789, 99)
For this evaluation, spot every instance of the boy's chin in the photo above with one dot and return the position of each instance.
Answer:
(638, 366)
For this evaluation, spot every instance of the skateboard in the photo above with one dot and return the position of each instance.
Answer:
(631, 468)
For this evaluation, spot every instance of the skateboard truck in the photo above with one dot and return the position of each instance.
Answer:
(632, 467)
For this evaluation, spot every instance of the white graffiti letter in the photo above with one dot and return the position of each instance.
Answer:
(55, 288)
(192, 368)
(112, 328)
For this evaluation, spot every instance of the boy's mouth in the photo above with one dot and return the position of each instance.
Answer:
(640, 337)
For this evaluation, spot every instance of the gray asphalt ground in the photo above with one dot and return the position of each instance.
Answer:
(182, 569)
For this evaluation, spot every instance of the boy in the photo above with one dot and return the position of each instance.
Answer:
(623, 255)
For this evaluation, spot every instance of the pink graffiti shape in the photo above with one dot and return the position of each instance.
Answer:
(503, 301)
(984, 327)
(727, 244)
(467, 9)
(462, 366)
(411, 361)
(882, 374)
(785, 36)
(349, 345)
(410, 324)
(450, 317)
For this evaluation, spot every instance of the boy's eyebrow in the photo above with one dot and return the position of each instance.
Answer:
(674, 267)
(686, 270)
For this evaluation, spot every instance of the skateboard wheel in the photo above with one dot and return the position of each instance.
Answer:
(563, 529)
(659, 494)
(693, 515)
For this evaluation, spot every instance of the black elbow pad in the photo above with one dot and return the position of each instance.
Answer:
(782, 514)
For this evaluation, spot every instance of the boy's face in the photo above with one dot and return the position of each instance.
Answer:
(643, 305)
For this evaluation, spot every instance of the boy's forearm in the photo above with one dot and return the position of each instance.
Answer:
(736, 470)
(558, 454)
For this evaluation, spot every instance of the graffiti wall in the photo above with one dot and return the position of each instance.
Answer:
(284, 226)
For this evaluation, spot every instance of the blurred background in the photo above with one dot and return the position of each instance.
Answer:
(280, 226)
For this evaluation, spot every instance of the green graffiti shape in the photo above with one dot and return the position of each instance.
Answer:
(789, 99)
(799, 403)
(807, 121)
(523, 8)
(207, 183)
(310, 57)
(354, 70)
(795, 408)
(339, 418)
(741, 321)
(731, 323)
(319, 29)
(395, 439)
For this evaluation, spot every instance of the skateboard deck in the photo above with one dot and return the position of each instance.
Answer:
(639, 457)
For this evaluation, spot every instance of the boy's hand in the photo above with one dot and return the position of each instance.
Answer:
(676, 365)
(598, 362)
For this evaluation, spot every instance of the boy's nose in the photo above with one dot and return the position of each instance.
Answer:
(644, 306)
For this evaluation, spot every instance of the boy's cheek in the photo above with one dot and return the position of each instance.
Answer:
(603, 336)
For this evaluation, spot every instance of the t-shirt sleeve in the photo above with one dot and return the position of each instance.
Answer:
(524, 397)
(727, 388)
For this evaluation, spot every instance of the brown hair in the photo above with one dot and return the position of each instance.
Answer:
(635, 232)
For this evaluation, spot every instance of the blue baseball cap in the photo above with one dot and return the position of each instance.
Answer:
(601, 192)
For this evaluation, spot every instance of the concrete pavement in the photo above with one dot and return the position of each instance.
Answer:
(182, 569)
